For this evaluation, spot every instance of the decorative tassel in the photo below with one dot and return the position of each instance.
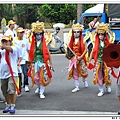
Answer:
(95, 81)
(32, 75)
(42, 80)
(106, 79)
(70, 74)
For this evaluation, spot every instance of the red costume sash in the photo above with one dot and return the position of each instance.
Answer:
(81, 44)
(45, 54)
(11, 71)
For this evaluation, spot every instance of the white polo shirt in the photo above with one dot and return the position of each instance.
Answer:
(25, 47)
(4, 68)
(19, 55)
(10, 32)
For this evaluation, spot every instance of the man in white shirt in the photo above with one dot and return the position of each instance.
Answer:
(11, 30)
(8, 73)
(24, 46)
(94, 23)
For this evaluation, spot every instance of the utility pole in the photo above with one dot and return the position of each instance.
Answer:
(79, 11)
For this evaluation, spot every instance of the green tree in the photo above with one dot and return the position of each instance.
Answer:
(56, 13)
(25, 13)
(6, 11)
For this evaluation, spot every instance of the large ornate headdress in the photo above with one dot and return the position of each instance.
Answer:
(77, 26)
(103, 29)
(37, 27)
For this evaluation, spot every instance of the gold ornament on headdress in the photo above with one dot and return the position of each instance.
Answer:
(77, 26)
(38, 27)
(102, 28)
(48, 37)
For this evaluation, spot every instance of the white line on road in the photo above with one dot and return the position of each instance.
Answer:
(61, 113)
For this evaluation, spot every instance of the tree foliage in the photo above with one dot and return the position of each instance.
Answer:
(51, 13)
(25, 13)
(6, 11)
(56, 13)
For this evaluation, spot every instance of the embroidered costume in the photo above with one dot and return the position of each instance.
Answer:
(40, 57)
(76, 50)
(100, 40)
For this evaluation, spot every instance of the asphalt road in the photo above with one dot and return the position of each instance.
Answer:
(60, 100)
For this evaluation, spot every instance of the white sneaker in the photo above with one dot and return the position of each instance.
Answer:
(26, 88)
(19, 95)
(100, 94)
(37, 90)
(75, 90)
(85, 84)
(109, 89)
(42, 96)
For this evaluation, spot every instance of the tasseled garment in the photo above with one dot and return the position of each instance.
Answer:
(106, 73)
(81, 66)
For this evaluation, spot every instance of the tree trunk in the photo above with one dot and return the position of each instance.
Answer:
(79, 11)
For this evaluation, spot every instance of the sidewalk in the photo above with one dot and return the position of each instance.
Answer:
(59, 113)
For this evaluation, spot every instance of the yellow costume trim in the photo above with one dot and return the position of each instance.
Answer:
(37, 27)
(17, 83)
(87, 36)
(102, 29)
(42, 80)
(112, 37)
(33, 73)
(48, 36)
(70, 75)
(77, 26)
(106, 79)
(95, 81)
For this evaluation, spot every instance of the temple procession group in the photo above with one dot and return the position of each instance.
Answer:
(32, 59)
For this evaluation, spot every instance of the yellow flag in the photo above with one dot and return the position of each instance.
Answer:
(17, 83)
